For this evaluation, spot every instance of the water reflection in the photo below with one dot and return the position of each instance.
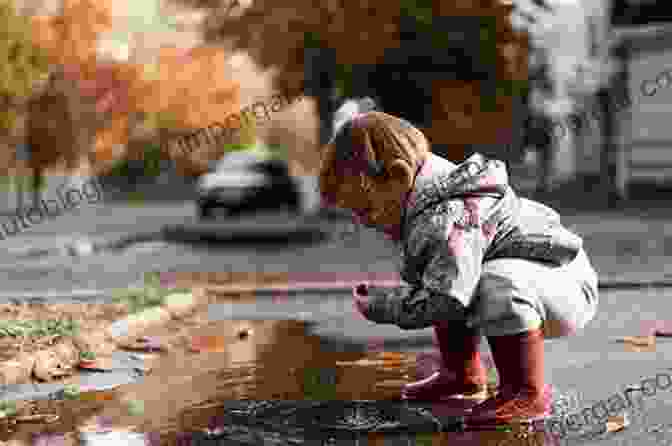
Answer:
(278, 375)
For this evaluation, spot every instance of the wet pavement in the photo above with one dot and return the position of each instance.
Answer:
(297, 393)
(315, 394)
(329, 368)
(306, 348)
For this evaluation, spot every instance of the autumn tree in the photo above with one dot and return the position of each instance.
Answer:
(459, 64)
(94, 106)
(63, 120)
(22, 64)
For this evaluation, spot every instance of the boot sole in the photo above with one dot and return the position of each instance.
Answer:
(477, 397)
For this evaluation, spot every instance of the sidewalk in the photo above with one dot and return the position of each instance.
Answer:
(629, 247)
(629, 242)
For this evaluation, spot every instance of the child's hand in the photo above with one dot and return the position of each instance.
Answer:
(371, 301)
(359, 293)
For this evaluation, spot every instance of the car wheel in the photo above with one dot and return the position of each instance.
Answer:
(294, 204)
(204, 212)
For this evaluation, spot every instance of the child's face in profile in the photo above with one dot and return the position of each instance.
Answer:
(369, 168)
(375, 203)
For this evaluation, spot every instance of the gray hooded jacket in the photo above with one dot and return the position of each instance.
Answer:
(457, 218)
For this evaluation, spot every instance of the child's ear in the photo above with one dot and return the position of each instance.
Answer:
(401, 173)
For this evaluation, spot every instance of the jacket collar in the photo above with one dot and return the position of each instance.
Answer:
(440, 179)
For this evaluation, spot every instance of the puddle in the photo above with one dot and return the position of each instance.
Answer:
(256, 382)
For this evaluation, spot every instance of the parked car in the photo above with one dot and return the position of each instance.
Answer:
(244, 182)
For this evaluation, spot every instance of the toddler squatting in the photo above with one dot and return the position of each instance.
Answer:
(478, 260)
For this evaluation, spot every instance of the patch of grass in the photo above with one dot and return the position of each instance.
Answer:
(319, 384)
(424, 439)
(39, 328)
(151, 295)
(87, 355)
(70, 392)
(7, 408)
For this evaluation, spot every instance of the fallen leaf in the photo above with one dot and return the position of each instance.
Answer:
(640, 349)
(145, 344)
(390, 356)
(392, 383)
(643, 341)
(617, 423)
(38, 418)
(48, 439)
(97, 395)
(135, 407)
(211, 344)
(365, 362)
(100, 363)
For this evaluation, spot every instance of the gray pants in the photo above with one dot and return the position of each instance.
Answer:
(517, 295)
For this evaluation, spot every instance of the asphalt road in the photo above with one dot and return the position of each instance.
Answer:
(591, 362)
(113, 268)
(622, 247)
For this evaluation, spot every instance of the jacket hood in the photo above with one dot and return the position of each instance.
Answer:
(440, 179)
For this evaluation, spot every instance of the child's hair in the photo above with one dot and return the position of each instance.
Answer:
(365, 143)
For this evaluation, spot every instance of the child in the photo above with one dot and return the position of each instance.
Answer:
(478, 260)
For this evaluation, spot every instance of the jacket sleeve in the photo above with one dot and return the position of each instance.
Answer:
(452, 267)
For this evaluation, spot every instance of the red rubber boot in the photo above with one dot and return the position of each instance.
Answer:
(462, 374)
(523, 396)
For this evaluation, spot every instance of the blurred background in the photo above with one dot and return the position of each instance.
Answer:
(569, 93)
(553, 87)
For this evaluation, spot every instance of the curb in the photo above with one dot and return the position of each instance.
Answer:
(346, 287)
(84, 246)
(129, 239)
(20, 369)
(237, 231)
(47, 296)
(305, 288)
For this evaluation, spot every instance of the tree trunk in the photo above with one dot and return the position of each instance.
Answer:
(319, 83)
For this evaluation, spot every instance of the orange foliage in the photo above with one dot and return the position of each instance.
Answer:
(192, 89)
(108, 137)
(71, 38)
(190, 85)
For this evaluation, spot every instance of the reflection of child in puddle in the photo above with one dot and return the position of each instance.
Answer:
(478, 260)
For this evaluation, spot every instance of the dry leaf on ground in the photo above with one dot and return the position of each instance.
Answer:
(617, 423)
(210, 344)
(643, 341)
(145, 344)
